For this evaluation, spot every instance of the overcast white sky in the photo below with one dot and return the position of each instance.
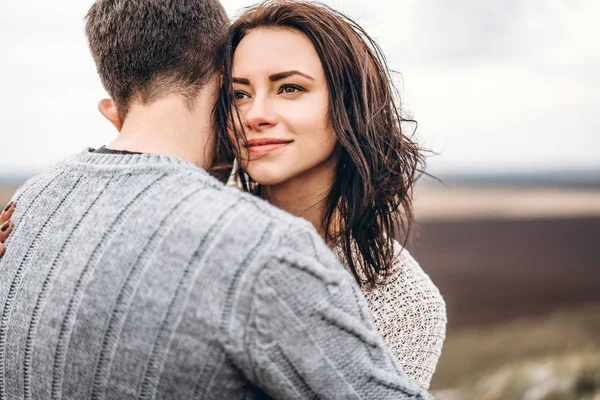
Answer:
(495, 86)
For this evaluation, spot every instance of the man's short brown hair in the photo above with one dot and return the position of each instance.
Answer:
(145, 49)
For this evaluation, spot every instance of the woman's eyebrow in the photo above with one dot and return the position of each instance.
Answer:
(273, 78)
(282, 75)
(242, 81)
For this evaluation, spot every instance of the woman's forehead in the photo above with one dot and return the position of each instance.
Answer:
(273, 49)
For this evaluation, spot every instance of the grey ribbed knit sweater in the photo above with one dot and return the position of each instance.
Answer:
(140, 277)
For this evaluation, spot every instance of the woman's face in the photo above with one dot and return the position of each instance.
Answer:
(283, 99)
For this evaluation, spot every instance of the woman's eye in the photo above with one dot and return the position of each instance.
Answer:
(290, 89)
(238, 95)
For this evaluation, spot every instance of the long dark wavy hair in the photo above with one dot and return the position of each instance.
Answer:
(370, 202)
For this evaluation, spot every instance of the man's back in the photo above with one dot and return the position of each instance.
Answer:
(139, 276)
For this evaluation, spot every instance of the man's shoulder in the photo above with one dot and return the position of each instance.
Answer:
(247, 216)
(41, 179)
(242, 206)
(243, 211)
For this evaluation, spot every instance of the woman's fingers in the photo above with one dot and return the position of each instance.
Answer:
(6, 225)
(5, 230)
(7, 212)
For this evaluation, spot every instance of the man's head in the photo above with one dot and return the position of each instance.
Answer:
(146, 49)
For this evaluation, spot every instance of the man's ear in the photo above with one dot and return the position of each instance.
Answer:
(108, 109)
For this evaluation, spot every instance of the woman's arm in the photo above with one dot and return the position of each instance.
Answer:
(410, 314)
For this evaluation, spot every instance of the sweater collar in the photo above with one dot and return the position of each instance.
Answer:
(90, 156)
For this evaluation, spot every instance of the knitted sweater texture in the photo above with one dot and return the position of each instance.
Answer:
(410, 314)
(141, 277)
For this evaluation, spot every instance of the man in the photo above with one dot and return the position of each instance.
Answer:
(132, 273)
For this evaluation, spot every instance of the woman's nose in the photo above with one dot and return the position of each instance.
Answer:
(260, 115)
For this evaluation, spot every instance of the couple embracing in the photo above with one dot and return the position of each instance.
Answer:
(133, 271)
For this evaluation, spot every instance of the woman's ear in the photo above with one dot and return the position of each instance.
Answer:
(108, 109)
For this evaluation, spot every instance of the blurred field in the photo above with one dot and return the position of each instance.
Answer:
(520, 272)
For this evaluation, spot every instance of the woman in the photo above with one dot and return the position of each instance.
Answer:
(308, 111)
(309, 107)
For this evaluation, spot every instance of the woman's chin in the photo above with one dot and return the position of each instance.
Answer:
(266, 179)
(269, 182)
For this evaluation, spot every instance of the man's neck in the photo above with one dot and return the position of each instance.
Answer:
(168, 127)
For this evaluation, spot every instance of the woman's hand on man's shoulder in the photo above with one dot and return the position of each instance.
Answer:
(6, 225)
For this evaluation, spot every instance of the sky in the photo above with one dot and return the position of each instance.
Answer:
(495, 86)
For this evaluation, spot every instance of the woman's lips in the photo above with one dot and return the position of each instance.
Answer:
(265, 146)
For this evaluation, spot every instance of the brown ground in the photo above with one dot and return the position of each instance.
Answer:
(495, 270)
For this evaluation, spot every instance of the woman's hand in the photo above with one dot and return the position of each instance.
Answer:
(6, 225)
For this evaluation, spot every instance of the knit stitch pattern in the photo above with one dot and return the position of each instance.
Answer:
(410, 314)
